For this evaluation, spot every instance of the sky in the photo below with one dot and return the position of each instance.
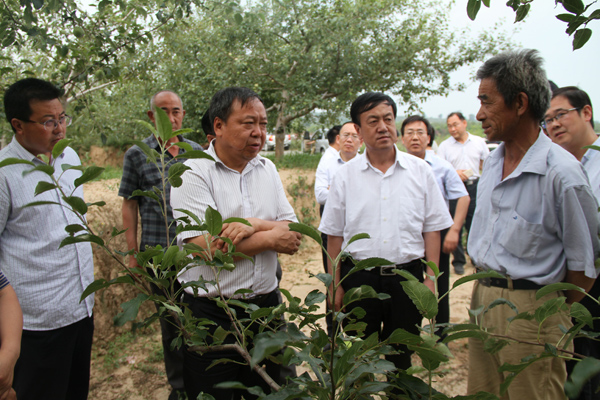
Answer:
(541, 30)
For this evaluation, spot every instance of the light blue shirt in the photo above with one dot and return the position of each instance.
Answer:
(446, 177)
(539, 221)
(48, 281)
(591, 163)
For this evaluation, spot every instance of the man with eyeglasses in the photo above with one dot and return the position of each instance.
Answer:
(348, 143)
(466, 153)
(139, 174)
(57, 328)
(417, 133)
(569, 122)
(535, 224)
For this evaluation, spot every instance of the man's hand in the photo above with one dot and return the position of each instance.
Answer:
(236, 232)
(284, 240)
(461, 174)
(451, 241)
(6, 378)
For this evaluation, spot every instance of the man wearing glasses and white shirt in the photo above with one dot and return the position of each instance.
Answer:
(57, 328)
(349, 142)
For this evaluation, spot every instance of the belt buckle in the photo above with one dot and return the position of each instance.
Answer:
(387, 270)
(487, 282)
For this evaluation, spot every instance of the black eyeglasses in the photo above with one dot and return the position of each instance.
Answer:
(546, 122)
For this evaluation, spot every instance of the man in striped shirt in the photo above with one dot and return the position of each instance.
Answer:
(240, 183)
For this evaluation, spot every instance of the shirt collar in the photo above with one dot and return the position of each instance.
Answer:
(534, 161)
(23, 153)
(400, 160)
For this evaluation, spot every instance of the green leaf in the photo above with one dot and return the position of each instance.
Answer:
(581, 314)
(171, 256)
(175, 173)
(581, 37)
(556, 287)
(369, 263)
(43, 186)
(146, 193)
(325, 278)
(41, 203)
(235, 219)
(195, 154)
(573, 6)
(13, 161)
(583, 371)
(522, 12)
(45, 168)
(314, 297)
(358, 236)
(86, 237)
(213, 220)
(306, 230)
(90, 173)
(94, 287)
(130, 310)
(473, 8)
(423, 298)
(74, 228)
(566, 17)
(193, 216)
(60, 147)
(477, 275)
(164, 128)
(76, 203)
(549, 308)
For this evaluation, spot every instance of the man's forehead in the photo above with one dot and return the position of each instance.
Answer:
(381, 109)
(348, 128)
(46, 107)
(558, 103)
(416, 125)
(250, 107)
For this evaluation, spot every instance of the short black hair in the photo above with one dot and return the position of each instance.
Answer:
(576, 98)
(18, 96)
(332, 133)
(207, 127)
(369, 101)
(221, 104)
(418, 118)
(458, 114)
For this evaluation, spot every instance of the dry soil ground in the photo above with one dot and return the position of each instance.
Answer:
(129, 366)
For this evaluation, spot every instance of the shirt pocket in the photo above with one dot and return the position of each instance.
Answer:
(521, 238)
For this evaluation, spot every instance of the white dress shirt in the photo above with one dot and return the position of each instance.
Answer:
(467, 155)
(327, 168)
(539, 221)
(591, 163)
(394, 208)
(255, 192)
(48, 281)
(447, 178)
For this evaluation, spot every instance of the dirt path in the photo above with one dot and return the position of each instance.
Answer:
(128, 366)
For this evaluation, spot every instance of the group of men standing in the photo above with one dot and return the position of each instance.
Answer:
(535, 222)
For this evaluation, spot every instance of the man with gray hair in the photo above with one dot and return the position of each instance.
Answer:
(535, 223)
(139, 174)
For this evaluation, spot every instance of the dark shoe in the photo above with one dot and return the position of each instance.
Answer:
(459, 269)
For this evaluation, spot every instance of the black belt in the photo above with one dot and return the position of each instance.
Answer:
(258, 299)
(471, 182)
(512, 284)
(388, 270)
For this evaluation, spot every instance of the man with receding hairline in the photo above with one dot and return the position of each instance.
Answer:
(535, 223)
(139, 174)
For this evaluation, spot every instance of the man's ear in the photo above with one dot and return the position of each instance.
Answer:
(521, 103)
(357, 127)
(586, 113)
(151, 116)
(17, 124)
(218, 125)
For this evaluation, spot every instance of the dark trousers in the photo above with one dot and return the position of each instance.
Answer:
(55, 365)
(198, 377)
(589, 347)
(385, 316)
(443, 316)
(173, 357)
(459, 253)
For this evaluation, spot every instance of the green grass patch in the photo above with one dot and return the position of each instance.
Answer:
(110, 172)
(297, 160)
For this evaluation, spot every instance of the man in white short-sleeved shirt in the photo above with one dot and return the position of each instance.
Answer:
(239, 183)
(394, 198)
(570, 123)
(466, 153)
(536, 223)
(417, 133)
